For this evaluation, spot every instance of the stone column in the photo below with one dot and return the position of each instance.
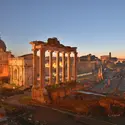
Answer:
(42, 67)
(34, 68)
(57, 67)
(63, 67)
(23, 75)
(10, 74)
(18, 75)
(75, 66)
(50, 67)
(68, 67)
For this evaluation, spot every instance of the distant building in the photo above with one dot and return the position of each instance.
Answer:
(87, 63)
(4, 57)
(105, 58)
(113, 59)
(17, 70)
(20, 69)
(86, 66)
(108, 58)
(88, 57)
(120, 60)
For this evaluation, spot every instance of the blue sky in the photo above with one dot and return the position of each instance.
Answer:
(94, 26)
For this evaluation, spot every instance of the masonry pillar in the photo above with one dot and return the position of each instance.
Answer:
(42, 67)
(10, 73)
(63, 67)
(57, 67)
(18, 75)
(34, 68)
(75, 66)
(68, 67)
(50, 67)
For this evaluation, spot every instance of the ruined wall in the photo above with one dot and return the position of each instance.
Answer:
(4, 57)
(85, 66)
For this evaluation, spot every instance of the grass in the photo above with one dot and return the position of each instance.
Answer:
(7, 107)
(25, 100)
(9, 92)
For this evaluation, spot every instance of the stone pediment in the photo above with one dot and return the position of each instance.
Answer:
(53, 41)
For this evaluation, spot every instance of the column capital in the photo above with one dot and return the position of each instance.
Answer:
(51, 51)
(75, 52)
(42, 49)
(63, 52)
(35, 50)
(57, 51)
(68, 53)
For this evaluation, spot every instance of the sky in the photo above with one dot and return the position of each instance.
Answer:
(94, 26)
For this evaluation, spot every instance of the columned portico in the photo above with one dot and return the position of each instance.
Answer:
(52, 45)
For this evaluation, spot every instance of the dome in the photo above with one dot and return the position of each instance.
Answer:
(2, 45)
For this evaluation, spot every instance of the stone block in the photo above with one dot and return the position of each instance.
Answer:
(37, 94)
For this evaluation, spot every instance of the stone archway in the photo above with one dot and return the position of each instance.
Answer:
(15, 74)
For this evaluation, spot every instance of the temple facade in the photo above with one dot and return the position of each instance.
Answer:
(52, 45)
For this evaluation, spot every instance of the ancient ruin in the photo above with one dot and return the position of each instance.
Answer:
(4, 57)
(52, 45)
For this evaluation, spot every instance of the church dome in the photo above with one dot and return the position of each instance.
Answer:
(2, 46)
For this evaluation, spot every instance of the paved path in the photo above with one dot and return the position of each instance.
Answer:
(55, 116)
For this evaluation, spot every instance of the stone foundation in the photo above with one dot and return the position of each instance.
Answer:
(37, 94)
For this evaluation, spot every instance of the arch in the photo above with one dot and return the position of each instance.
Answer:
(15, 74)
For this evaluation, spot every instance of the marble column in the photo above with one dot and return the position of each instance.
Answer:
(63, 67)
(23, 76)
(10, 73)
(42, 67)
(18, 75)
(50, 67)
(68, 67)
(75, 66)
(34, 68)
(57, 67)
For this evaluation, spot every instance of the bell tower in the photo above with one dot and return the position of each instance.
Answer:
(110, 56)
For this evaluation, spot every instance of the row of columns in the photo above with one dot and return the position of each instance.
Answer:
(42, 67)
